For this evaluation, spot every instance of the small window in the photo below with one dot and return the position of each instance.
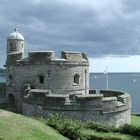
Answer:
(49, 73)
(41, 79)
(76, 78)
(10, 79)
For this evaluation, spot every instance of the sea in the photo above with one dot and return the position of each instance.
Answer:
(127, 82)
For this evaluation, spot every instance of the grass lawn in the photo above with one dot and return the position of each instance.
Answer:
(108, 136)
(135, 120)
(18, 127)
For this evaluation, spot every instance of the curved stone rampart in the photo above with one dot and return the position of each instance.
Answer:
(113, 107)
(115, 100)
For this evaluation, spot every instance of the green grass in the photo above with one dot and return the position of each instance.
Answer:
(109, 135)
(115, 136)
(18, 127)
(135, 120)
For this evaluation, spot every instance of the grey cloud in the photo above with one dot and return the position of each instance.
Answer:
(92, 26)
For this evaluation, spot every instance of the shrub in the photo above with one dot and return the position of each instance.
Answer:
(130, 129)
(72, 128)
(92, 137)
(54, 121)
(66, 127)
(99, 127)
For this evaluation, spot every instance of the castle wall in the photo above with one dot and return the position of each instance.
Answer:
(2, 89)
(80, 107)
(58, 74)
(58, 79)
(2, 94)
(114, 118)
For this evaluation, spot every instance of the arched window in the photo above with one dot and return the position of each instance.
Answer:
(41, 79)
(76, 78)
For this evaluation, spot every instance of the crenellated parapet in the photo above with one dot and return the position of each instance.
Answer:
(118, 101)
(115, 101)
(106, 106)
(48, 57)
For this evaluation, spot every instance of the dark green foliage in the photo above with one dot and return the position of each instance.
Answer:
(130, 129)
(72, 128)
(98, 126)
(66, 127)
(125, 129)
(102, 138)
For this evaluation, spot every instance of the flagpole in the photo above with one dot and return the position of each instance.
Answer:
(106, 77)
(107, 80)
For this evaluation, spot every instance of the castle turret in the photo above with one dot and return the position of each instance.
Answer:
(15, 47)
(15, 52)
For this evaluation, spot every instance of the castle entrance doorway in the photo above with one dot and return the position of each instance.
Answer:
(11, 100)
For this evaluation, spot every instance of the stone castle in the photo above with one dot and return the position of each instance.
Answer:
(41, 84)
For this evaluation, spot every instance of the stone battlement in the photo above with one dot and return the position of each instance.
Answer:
(48, 57)
(105, 106)
(81, 102)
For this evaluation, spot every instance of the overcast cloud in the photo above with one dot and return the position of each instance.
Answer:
(99, 28)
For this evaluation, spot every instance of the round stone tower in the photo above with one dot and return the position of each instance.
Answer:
(15, 51)
(15, 47)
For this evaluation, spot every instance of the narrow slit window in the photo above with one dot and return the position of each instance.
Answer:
(41, 79)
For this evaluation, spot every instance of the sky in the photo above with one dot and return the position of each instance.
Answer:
(107, 30)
